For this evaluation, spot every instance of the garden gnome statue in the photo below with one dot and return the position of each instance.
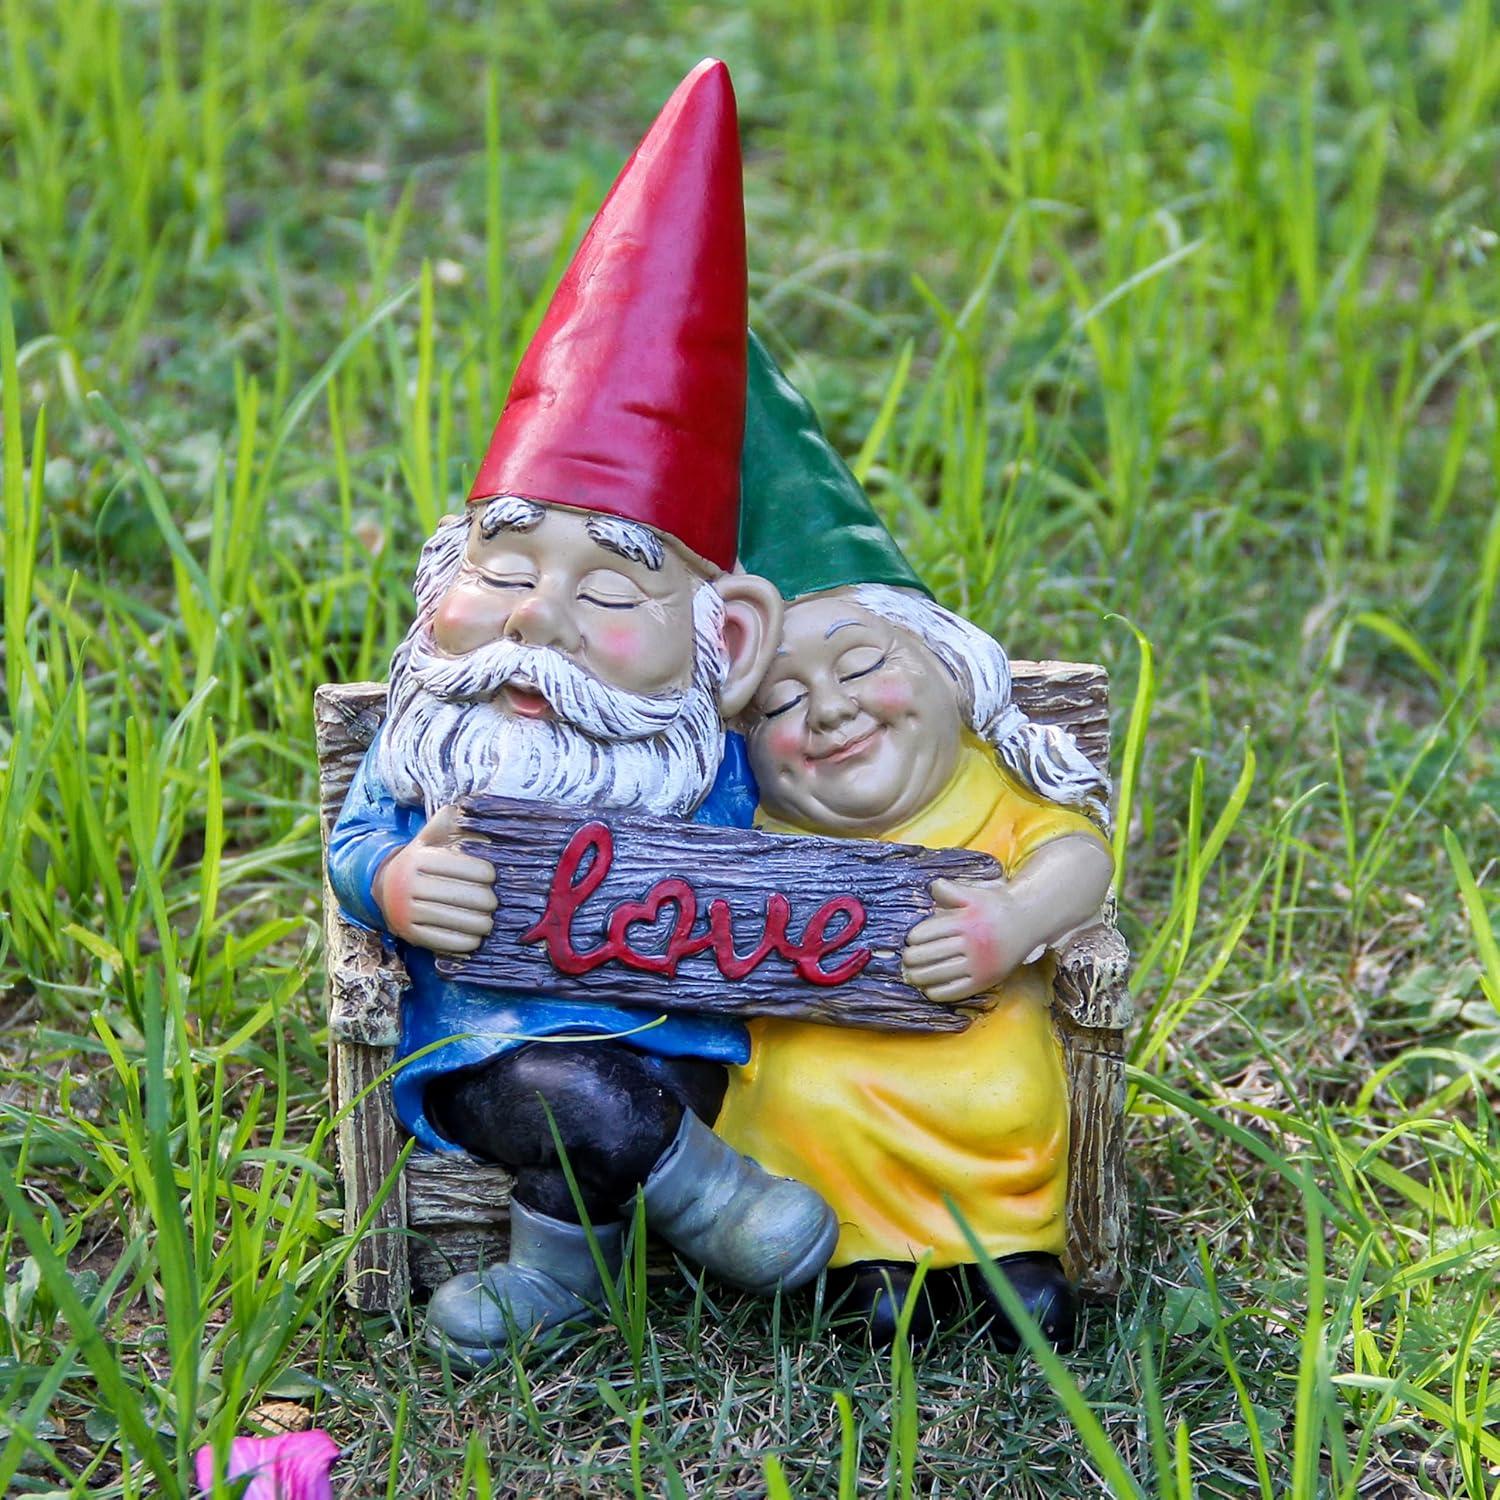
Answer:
(580, 637)
(885, 716)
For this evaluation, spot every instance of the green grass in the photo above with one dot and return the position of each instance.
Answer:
(1163, 334)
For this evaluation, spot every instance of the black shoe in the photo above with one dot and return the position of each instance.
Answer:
(1044, 1291)
(868, 1296)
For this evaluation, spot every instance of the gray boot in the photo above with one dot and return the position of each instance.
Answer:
(732, 1216)
(549, 1279)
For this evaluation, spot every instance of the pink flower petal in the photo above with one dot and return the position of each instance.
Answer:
(293, 1466)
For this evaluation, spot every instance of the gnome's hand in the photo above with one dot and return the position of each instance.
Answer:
(433, 895)
(983, 930)
(968, 945)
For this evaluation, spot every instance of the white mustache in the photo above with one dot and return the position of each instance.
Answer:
(599, 710)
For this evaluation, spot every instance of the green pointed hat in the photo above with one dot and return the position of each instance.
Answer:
(805, 522)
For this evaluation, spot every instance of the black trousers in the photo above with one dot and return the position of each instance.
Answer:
(616, 1111)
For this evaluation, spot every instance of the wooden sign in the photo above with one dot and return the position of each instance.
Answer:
(662, 914)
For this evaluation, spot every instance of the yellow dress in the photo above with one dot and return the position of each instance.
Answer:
(886, 1125)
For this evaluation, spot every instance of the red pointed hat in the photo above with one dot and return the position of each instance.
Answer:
(630, 399)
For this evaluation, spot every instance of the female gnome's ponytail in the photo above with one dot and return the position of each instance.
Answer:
(1041, 756)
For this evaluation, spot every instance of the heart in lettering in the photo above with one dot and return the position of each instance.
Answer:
(647, 913)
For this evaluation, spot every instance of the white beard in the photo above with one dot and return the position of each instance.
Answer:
(445, 738)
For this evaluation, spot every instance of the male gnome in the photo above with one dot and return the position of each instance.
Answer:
(580, 638)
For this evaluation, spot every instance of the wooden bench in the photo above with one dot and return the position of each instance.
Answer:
(447, 1213)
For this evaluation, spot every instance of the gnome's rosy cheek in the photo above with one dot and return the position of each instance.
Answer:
(618, 644)
(890, 696)
(465, 620)
(641, 651)
(787, 741)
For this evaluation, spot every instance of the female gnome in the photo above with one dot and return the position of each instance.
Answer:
(885, 716)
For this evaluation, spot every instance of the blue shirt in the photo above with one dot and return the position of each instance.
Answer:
(467, 1024)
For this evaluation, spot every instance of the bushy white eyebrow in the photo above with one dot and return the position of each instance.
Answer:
(510, 513)
(633, 542)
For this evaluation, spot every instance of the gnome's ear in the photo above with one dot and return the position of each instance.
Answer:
(752, 629)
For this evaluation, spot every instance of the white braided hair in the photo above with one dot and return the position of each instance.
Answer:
(1042, 756)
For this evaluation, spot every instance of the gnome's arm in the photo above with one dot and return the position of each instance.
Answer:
(982, 932)
(370, 829)
(399, 873)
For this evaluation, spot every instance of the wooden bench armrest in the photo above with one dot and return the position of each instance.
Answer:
(365, 983)
(365, 979)
(1089, 986)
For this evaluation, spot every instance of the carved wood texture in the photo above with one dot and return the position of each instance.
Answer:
(459, 1212)
(448, 1214)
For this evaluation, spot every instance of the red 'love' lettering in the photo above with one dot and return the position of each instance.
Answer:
(581, 870)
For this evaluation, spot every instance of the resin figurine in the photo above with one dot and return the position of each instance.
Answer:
(580, 638)
(884, 716)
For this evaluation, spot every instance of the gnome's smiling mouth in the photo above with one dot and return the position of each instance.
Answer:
(524, 702)
(847, 749)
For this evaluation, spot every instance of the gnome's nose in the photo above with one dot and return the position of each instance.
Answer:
(541, 619)
(829, 706)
